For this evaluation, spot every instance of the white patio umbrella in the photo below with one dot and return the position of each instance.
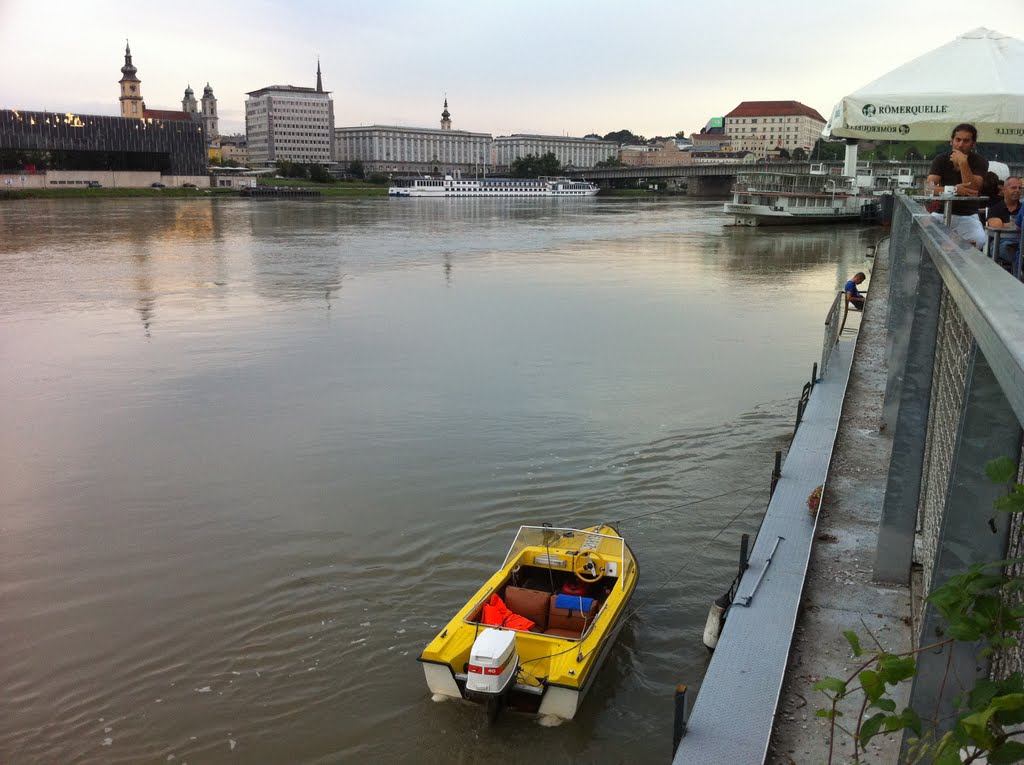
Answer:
(976, 78)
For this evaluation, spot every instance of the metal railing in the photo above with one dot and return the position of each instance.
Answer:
(833, 326)
(954, 402)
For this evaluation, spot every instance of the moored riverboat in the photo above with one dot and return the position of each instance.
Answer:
(429, 186)
(778, 198)
(534, 636)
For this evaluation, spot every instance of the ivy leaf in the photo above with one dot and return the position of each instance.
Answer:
(870, 728)
(1006, 753)
(872, 684)
(833, 684)
(895, 669)
(1011, 503)
(854, 641)
(887, 704)
(1001, 470)
(976, 726)
(911, 720)
(828, 714)
(948, 752)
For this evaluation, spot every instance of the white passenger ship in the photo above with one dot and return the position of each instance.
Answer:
(426, 186)
(775, 198)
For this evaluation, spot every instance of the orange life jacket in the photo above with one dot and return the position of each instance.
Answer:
(498, 614)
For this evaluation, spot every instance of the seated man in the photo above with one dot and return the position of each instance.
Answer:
(853, 295)
(1001, 215)
(962, 169)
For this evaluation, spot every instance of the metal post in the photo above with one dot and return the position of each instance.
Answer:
(681, 714)
(903, 487)
(776, 473)
(970, 532)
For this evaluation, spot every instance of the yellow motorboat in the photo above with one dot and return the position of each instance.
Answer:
(534, 636)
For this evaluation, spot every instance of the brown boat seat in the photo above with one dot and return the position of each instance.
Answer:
(533, 604)
(570, 622)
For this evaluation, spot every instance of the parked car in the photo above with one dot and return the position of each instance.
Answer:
(188, 185)
(158, 185)
(93, 185)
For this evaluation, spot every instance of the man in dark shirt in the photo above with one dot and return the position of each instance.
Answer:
(962, 169)
(1001, 215)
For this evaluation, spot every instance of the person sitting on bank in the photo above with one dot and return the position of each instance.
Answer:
(854, 296)
(964, 170)
(1001, 216)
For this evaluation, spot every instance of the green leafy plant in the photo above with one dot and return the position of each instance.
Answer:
(977, 606)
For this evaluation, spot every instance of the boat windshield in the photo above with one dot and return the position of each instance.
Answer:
(553, 537)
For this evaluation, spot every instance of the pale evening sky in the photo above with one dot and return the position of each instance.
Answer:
(557, 67)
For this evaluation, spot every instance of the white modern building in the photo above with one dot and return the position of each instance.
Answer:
(394, 149)
(294, 124)
(576, 153)
(761, 127)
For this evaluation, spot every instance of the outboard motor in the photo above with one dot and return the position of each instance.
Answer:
(493, 662)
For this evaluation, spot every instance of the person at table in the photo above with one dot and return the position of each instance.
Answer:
(964, 169)
(1002, 212)
(1001, 215)
(854, 296)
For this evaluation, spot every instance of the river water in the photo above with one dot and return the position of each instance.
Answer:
(254, 453)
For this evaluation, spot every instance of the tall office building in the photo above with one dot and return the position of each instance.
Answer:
(294, 124)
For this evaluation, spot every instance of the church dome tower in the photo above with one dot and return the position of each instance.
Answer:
(210, 114)
(131, 88)
(189, 103)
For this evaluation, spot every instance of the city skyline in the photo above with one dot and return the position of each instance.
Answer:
(570, 68)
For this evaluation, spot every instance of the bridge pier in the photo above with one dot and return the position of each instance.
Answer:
(710, 185)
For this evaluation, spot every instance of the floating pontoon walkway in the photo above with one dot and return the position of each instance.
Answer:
(732, 719)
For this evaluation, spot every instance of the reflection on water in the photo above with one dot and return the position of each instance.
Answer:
(255, 453)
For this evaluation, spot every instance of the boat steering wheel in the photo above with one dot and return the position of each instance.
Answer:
(588, 566)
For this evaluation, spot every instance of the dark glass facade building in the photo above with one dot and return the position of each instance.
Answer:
(91, 142)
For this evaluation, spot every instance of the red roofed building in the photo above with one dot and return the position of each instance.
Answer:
(763, 127)
(166, 114)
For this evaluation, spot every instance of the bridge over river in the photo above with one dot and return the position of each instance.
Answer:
(716, 179)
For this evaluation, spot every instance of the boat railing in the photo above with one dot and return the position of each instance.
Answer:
(781, 183)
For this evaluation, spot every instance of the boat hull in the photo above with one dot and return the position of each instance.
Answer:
(769, 215)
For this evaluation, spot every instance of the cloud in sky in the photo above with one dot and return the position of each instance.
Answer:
(566, 67)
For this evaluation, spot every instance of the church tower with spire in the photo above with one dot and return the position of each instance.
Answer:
(446, 118)
(210, 115)
(132, 104)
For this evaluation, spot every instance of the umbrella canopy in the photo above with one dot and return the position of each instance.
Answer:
(976, 78)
